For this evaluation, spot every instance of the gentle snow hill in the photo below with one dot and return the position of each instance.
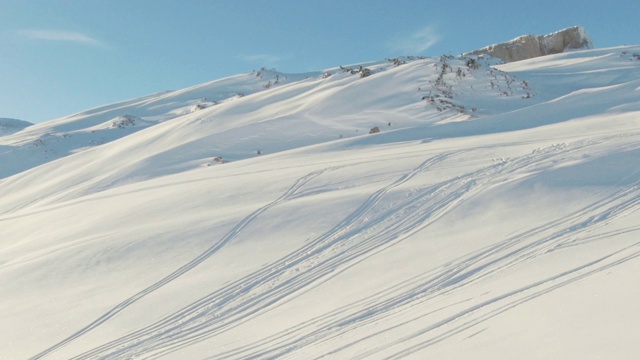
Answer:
(494, 215)
(299, 110)
(9, 126)
(48, 141)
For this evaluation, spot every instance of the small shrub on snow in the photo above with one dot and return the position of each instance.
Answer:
(363, 71)
(473, 64)
(122, 122)
(397, 61)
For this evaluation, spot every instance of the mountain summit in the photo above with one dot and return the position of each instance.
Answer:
(530, 46)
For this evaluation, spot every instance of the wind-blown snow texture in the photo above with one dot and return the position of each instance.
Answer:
(495, 215)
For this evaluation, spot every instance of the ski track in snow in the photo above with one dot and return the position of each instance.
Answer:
(467, 270)
(265, 276)
(372, 227)
(233, 233)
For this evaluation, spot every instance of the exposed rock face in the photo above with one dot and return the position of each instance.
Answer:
(530, 46)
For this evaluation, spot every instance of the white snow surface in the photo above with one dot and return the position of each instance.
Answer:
(9, 126)
(495, 216)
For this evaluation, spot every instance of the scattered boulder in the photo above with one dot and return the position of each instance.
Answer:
(374, 130)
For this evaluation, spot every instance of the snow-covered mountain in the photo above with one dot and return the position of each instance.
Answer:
(446, 207)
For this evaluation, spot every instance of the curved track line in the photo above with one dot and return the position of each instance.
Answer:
(244, 223)
(227, 295)
(361, 234)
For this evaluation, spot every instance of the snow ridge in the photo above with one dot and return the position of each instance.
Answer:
(9, 126)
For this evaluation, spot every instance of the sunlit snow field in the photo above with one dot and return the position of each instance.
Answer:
(495, 215)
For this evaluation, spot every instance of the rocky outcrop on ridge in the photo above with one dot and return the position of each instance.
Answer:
(530, 46)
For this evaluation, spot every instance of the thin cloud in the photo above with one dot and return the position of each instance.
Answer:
(263, 59)
(416, 43)
(60, 35)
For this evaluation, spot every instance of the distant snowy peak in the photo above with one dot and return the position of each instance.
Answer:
(10, 126)
(530, 46)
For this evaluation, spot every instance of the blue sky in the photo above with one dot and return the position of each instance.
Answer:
(59, 57)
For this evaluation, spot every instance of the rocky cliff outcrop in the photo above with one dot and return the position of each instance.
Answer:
(530, 46)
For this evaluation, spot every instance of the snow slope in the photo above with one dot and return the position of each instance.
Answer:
(9, 126)
(494, 215)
